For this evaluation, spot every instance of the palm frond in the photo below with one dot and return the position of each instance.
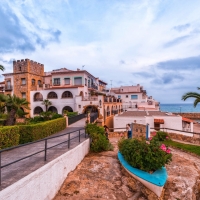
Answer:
(191, 95)
(2, 68)
(196, 102)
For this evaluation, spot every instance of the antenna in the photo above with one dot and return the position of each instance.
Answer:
(83, 66)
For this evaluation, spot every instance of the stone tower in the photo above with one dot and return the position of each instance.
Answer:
(27, 76)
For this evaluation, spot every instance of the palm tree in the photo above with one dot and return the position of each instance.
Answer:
(192, 95)
(2, 68)
(15, 104)
(47, 103)
(3, 100)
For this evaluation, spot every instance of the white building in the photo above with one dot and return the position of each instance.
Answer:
(135, 98)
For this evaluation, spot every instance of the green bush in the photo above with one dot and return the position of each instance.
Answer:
(161, 135)
(147, 156)
(33, 132)
(36, 119)
(56, 116)
(99, 142)
(9, 136)
(72, 114)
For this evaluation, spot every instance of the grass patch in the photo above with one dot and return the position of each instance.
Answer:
(186, 147)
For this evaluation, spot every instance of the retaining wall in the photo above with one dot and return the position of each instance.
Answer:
(44, 183)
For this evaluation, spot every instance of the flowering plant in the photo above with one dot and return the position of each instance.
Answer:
(147, 156)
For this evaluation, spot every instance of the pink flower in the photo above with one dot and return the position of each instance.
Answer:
(163, 147)
(168, 151)
(167, 137)
(150, 138)
(153, 133)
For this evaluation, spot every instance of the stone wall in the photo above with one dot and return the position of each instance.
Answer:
(139, 130)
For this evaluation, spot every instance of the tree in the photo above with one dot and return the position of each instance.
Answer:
(15, 105)
(3, 100)
(192, 95)
(47, 103)
(2, 68)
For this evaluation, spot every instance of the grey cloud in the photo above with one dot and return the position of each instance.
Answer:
(122, 62)
(144, 74)
(189, 63)
(14, 36)
(176, 41)
(181, 27)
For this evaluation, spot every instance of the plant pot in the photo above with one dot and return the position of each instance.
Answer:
(155, 181)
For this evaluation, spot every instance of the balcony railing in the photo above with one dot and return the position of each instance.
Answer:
(89, 98)
(93, 87)
(56, 84)
(8, 87)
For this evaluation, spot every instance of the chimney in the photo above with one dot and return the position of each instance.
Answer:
(78, 69)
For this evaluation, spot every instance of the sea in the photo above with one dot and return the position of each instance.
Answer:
(180, 108)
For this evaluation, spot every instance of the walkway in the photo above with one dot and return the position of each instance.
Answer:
(16, 171)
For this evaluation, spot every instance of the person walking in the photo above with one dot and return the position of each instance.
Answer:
(106, 131)
(128, 128)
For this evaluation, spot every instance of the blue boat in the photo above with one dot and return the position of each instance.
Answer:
(155, 181)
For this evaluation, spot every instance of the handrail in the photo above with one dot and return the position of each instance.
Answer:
(45, 147)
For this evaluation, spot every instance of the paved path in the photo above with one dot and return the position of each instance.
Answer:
(16, 171)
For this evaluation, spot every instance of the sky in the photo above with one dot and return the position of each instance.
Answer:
(154, 43)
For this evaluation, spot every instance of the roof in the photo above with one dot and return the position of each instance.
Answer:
(186, 120)
(145, 113)
(159, 121)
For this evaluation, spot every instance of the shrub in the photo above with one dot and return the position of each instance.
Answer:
(32, 132)
(99, 142)
(36, 119)
(56, 116)
(144, 156)
(161, 136)
(9, 136)
(72, 114)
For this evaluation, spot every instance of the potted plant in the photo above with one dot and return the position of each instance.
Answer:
(145, 161)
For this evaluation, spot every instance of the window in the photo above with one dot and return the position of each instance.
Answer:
(24, 95)
(33, 81)
(126, 96)
(134, 96)
(67, 81)
(56, 81)
(67, 94)
(20, 68)
(119, 96)
(39, 82)
(52, 95)
(85, 81)
(78, 81)
(23, 81)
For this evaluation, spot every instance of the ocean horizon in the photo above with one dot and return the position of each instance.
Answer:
(180, 108)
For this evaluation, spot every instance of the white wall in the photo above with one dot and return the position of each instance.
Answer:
(44, 183)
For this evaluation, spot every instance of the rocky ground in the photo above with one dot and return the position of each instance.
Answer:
(100, 176)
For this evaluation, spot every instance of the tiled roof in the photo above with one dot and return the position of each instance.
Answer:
(186, 119)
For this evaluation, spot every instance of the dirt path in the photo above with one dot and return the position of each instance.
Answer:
(100, 176)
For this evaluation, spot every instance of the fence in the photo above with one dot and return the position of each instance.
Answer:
(43, 150)
(76, 118)
(93, 117)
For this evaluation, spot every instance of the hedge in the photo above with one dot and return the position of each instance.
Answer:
(33, 132)
(9, 136)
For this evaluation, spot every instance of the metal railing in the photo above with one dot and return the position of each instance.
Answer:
(8, 87)
(45, 147)
(93, 117)
(76, 118)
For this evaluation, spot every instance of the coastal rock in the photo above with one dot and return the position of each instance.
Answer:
(101, 176)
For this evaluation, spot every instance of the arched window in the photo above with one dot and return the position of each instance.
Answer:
(67, 94)
(52, 95)
(38, 97)
(53, 109)
(37, 110)
(33, 81)
(68, 108)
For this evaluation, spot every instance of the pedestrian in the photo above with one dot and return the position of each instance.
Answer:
(106, 131)
(128, 128)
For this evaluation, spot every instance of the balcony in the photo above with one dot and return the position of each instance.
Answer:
(93, 87)
(90, 98)
(8, 87)
(56, 83)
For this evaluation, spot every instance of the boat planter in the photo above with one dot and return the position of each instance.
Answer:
(155, 181)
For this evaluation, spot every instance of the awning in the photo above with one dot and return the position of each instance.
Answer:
(159, 121)
(186, 120)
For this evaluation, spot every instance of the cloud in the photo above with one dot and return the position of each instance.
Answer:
(176, 41)
(181, 28)
(122, 62)
(14, 36)
(144, 74)
(190, 63)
